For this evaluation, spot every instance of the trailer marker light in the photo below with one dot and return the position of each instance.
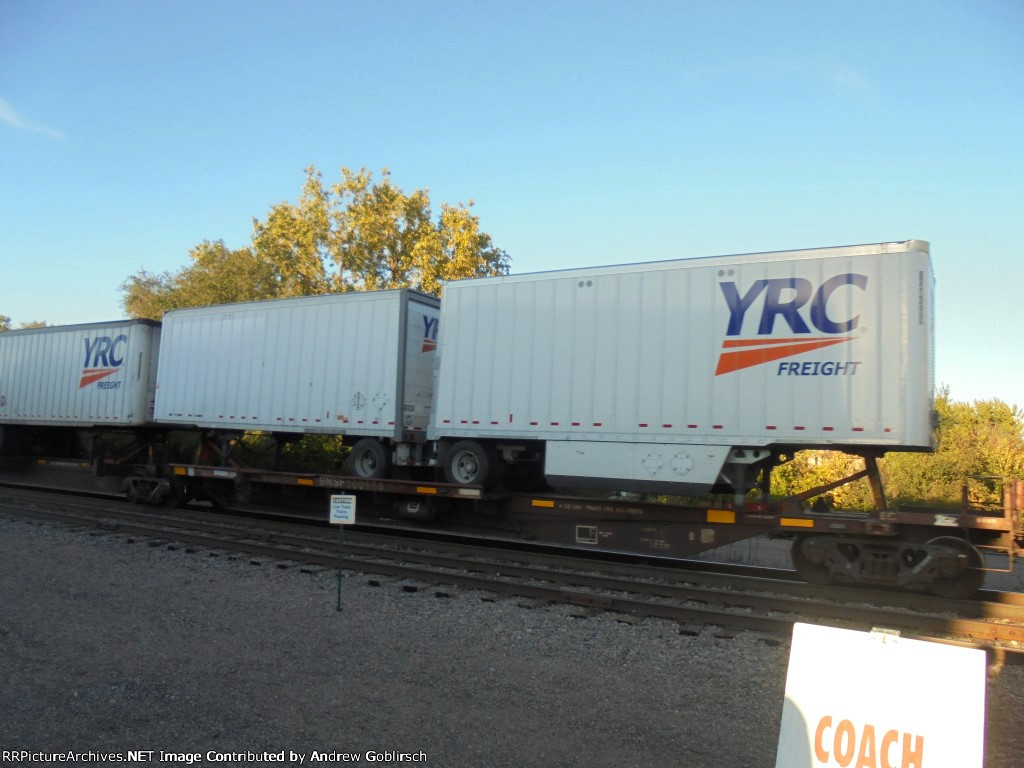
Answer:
(543, 503)
(796, 522)
(721, 516)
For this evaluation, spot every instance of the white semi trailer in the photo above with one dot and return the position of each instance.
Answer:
(354, 364)
(82, 377)
(682, 376)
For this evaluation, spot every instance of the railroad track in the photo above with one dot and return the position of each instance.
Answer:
(695, 599)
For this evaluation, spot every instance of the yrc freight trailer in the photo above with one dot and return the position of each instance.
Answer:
(679, 376)
(82, 376)
(352, 364)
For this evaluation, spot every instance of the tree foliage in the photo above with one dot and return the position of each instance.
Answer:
(360, 234)
(980, 439)
(6, 324)
(976, 443)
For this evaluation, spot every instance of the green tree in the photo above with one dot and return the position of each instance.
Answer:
(383, 238)
(6, 324)
(810, 469)
(980, 439)
(216, 275)
(460, 250)
(983, 440)
(359, 235)
(293, 242)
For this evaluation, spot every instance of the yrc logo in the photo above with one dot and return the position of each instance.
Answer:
(430, 326)
(103, 356)
(783, 299)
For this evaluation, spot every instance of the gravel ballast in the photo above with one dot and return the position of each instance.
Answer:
(110, 646)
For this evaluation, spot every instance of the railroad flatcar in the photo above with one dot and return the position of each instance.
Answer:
(681, 377)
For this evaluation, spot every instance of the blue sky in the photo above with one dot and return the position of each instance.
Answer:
(588, 133)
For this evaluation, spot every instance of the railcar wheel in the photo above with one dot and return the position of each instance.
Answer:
(175, 495)
(470, 463)
(369, 459)
(131, 491)
(965, 583)
(810, 561)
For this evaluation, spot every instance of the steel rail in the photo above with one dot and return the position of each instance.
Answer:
(438, 569)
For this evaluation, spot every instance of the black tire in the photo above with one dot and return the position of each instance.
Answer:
(470, 463)
(369, 459)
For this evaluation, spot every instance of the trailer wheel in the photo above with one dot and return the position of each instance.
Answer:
(470, 463)
(369, 459)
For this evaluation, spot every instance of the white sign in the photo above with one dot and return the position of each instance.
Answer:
(877, 700)
(343, 510)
